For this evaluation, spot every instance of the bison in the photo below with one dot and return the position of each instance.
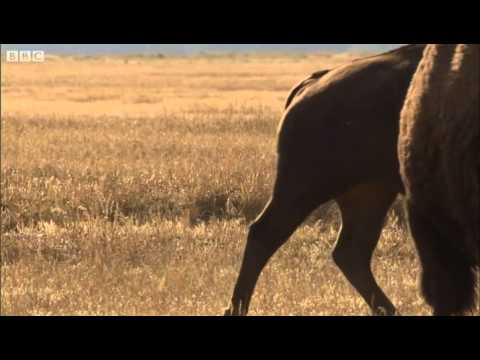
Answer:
(439, 153)
(337, 141)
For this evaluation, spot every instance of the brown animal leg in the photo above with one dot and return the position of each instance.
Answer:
(266, 235)
(363, 212)
(448, 275)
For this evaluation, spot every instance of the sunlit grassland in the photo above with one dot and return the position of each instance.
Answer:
(127, 185)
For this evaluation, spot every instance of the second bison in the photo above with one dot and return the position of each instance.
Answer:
(439, 152)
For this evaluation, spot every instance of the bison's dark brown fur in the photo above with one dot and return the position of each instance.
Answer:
(439, 152)
(337, 141)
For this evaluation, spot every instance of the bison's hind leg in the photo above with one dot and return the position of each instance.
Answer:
(363, 211)
(284, 213)
(448, 278)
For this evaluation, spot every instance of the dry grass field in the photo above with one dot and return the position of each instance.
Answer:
(127, 184)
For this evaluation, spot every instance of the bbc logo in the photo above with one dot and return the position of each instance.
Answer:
(25, 56)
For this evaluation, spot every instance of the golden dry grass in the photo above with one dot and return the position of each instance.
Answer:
(127, 185)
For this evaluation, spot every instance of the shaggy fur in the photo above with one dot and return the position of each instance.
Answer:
(439, 152)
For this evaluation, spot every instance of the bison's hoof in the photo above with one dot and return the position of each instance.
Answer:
(228, 312)
(381, 311)
(235, 311)
(232, 312)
